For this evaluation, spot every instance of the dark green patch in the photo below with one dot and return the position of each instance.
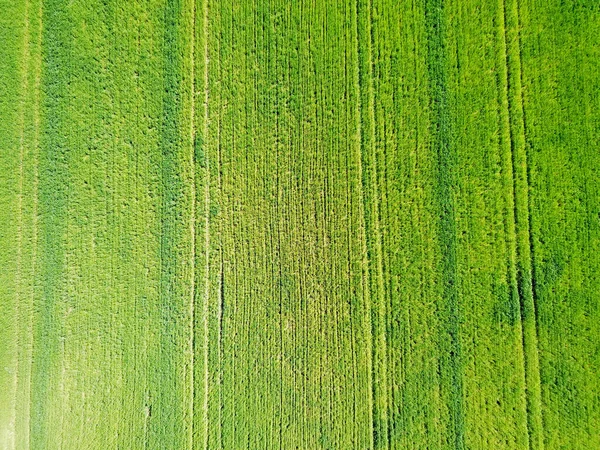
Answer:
(451, 370)
(506, 306)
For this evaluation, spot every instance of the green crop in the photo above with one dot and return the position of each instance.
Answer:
(299, 224)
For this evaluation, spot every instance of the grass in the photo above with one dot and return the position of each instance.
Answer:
(272, 224)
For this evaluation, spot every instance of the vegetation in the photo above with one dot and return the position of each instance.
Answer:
(299, 224)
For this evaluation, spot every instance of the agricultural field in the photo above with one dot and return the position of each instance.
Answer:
(299, 224)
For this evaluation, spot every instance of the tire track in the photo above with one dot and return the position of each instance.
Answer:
(206, 199)
(522, 220)
(510, 220)
(20, 284)
(36, 74)
(358, 75)
(371, 198)
(192, 181)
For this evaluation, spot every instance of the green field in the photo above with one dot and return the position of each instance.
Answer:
(299, 224)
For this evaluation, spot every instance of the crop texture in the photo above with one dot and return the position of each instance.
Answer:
(299, 224)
